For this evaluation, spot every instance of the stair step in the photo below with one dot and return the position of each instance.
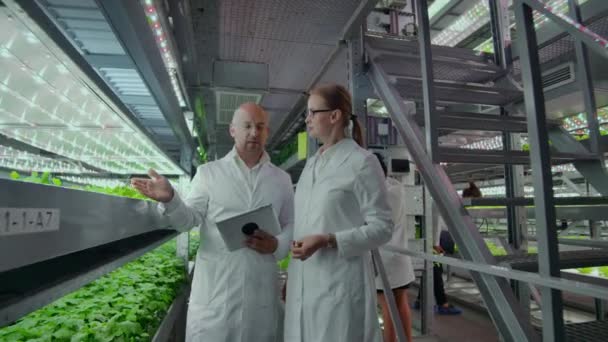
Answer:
(562, 212)
(450, 92)
(475, 156)
(477, 121)
(406, 47)
(594, 331)
(525, 201)
(407, 64)
(481, 122)
(567, 259)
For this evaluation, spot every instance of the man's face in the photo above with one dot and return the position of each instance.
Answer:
(249, 129)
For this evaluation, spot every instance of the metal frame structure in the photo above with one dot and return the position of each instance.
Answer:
(497, 294)
(499, 299)
(553, 325)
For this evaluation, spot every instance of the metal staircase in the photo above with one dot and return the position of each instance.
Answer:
(403, 72)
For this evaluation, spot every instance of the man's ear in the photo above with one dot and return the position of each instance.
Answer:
(231, 130)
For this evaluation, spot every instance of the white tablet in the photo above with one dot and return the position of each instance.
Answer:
(234, 230)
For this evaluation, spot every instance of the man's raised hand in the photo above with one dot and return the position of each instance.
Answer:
(156, 187)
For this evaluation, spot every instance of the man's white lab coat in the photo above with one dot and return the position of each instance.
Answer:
(234, 295)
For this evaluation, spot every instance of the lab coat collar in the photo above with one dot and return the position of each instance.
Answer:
(234, 156)
(338, 153)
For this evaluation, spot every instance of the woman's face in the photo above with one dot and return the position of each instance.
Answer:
(320, 119)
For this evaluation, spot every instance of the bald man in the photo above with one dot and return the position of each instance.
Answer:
(234, 295)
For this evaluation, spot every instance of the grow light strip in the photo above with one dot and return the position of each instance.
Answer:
(561, 6)
(28, 104)
(579, 121)
(436, 7)
(464, 26)
(14, 159)
(479, 15)
(162, 43)
(101, 182)
(499, 191)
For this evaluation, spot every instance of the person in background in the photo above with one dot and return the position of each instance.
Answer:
(399, 269)
(341, 214)
(446, 246)
(472, 191)
(235, 295)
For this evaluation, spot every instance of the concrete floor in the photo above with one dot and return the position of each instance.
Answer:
(470, 326)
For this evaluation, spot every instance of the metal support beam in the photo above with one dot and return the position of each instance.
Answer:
(501, 32)
(358, 83)
(548, 253)
(389, 297)
(502, 305)
(428, 80)
(600, 305)
(428, 236)
(432, 140)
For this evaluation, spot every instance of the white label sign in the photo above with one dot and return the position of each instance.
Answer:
(28, 220)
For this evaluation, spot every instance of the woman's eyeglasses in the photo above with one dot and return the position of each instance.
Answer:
(313, 112)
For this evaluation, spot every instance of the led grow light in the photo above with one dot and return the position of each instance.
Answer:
(560, 6)
(47, 102)
(494, 143)
(436, 7)
(101, 182)
(494, 191)
(479, 15)
(14, 159)
(469, 22)
(579, 121)
(153, 16)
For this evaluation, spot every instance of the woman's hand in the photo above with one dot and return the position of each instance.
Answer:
(308, 245)
(438, 249)
(157, 187)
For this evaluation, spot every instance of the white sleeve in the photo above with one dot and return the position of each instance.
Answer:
(440, 226)
(395, 202)
(184, 215)
(286, 220)
(370, 191)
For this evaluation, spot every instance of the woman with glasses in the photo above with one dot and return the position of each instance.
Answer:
(341, 214)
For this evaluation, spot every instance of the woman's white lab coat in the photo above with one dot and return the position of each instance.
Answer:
(234, 295)
(331, 296)
(399, 269)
